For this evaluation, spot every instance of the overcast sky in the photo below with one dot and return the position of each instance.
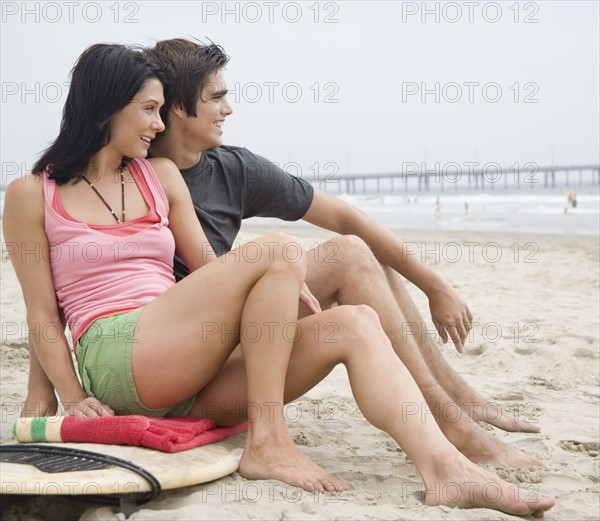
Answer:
(364, 86)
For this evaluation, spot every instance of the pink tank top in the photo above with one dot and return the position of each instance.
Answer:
(101, 270)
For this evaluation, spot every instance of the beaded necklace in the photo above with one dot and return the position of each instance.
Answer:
(119, 221)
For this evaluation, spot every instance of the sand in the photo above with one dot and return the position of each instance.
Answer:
(535, 350)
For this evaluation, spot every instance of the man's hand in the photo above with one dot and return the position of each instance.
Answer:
(88, 408)
(309, 300)
(450, 315)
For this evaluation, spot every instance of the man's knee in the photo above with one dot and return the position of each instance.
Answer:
(350, 251)
(352, 244)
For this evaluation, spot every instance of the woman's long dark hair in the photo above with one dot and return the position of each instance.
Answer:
(104, 80)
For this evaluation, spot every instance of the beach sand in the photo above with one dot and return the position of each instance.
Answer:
(535, 350)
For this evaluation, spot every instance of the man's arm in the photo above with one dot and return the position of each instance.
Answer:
(449, 312)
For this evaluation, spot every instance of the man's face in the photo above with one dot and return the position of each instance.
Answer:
(206, 129)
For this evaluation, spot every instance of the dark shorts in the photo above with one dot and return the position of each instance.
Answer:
(104, 361)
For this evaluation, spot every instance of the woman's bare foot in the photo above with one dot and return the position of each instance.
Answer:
(281, 460)
(462, 484)
(480, 447)
(39, 404)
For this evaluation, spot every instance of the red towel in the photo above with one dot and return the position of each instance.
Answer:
(171, 434)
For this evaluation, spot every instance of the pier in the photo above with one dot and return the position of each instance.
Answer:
(454, 176)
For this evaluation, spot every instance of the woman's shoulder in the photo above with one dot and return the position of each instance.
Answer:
(28, 187)
(163, 166)
(168, 174)
(24, 200)
(160, 166)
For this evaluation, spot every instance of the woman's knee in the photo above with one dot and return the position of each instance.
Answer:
(283, 252)
(359, 325)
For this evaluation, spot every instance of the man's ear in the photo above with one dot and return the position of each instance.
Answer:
(178, 111)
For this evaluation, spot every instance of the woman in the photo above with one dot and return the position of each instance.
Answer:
(146, 345)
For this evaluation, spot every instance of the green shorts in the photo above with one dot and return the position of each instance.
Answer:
(104, 361)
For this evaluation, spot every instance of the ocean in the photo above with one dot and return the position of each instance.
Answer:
(517, 213)
(538, 210)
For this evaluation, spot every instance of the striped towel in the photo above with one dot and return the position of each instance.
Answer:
(171, 434)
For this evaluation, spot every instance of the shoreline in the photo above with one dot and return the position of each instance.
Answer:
(307, 229)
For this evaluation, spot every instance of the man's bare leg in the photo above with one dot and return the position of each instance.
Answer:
(478, 407)
(345, 271)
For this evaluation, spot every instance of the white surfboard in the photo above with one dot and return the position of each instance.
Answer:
(172, 470)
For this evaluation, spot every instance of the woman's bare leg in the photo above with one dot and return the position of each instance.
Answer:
(388, 397)
(184, 337)
(345, 271)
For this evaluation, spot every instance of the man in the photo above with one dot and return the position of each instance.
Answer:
(362, 266)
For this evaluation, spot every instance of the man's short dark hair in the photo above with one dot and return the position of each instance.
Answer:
(187, 66)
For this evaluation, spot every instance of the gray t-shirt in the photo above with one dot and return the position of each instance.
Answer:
(229, 184)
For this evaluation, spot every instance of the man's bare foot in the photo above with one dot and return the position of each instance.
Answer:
(480, 447)
(281, 460)
(493, 414)
(463, 484)
(39, 404)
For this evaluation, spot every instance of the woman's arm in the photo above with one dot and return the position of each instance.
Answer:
(23, 226)
(191, 242)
